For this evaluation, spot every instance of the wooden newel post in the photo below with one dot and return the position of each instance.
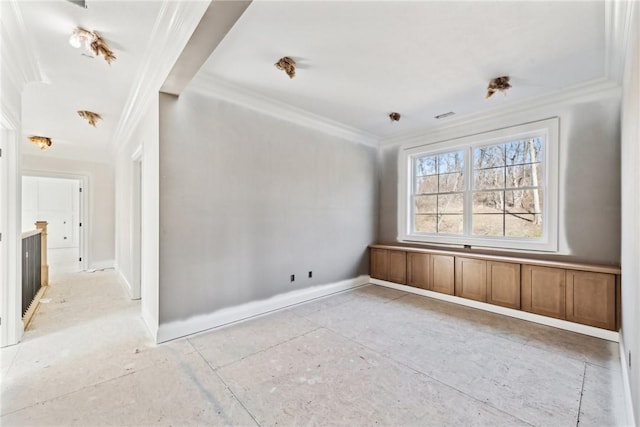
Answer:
(44, 268)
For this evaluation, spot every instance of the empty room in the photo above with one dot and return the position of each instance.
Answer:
(237, 212)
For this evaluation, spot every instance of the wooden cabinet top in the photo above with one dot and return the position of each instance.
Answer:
(609, 269)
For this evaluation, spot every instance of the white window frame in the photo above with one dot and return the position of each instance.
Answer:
(548, 128)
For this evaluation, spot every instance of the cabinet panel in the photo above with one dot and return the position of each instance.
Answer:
(418, 270)
(397, 267)
(379, 266)
(471, 278)
(591, 299)
(543, 290)
(503, 284)
(442, 274)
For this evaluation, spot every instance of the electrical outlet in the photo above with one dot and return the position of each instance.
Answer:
(310, 274)
(293, 277)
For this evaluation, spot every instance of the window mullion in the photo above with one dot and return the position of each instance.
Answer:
(467, 212)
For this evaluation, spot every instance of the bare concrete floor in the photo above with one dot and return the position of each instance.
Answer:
(372, 356)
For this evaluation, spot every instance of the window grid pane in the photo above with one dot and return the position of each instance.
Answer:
(438, 193)
(513, 170)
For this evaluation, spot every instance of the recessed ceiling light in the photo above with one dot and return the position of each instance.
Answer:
(442, 116)
(41, 142)
(90, 117)
(288, 65)
(395, 117)
(92, 42)
(498, 84)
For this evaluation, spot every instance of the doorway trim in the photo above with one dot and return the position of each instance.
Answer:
(83, 207)
(136, 223)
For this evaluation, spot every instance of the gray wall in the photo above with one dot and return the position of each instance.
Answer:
(589, 175)
(246, 200)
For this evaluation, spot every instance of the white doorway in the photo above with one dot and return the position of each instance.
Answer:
(136, 224)
(59, 202)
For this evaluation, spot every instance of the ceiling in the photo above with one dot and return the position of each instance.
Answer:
(357, 61)
(77, 81)
(360, 61)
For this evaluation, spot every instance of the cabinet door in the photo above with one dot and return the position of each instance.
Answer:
(471, 278)
(379, 265)
(442, 274)
(591, 299)
(418, 270)
(543, 291)
(503, 284)
(397, 267)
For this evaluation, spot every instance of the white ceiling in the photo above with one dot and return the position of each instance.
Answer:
(357, 61)
(77, 82)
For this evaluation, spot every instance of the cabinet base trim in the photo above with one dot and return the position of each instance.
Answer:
(523, 315)
(181, 328)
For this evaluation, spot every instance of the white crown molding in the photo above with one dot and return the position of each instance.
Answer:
(618, 16)
(218, 88)
(19, 66)
(174, 25)
(591, 90)
(9, 118)
(22, 65)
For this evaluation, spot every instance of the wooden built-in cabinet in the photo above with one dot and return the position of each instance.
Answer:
(471, 278)
(578, 293)
(590, 299)
(390, 265)
(442, 274)
(503, 284)
(418, 270)
(543, 290)
(378, 264)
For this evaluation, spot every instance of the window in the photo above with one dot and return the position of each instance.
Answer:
(495, 189)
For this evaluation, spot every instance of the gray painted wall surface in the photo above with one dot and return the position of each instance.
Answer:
(247, 200)
(589, 196)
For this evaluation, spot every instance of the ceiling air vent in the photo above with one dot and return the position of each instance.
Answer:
(81, 3)
(442, 116)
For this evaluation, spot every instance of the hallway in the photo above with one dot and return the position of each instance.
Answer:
(369, 356)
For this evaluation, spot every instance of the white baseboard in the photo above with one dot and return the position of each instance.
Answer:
(125, 283)
(180, 328)
(102, 265)
(150, 323)
(543, 320)
(628, 400)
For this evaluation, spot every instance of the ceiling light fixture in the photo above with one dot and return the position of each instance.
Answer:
(41, 142)
(288, 65)
(395, 117)
(90, 117)
(498, 84)
(92, 42)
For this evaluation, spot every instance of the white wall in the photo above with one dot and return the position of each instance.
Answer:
(15, 74)
(144, 139)
(631, 212)
(99, 210)
(247, 199)
(589, 179)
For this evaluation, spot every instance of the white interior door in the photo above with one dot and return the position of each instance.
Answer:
(58, 202)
